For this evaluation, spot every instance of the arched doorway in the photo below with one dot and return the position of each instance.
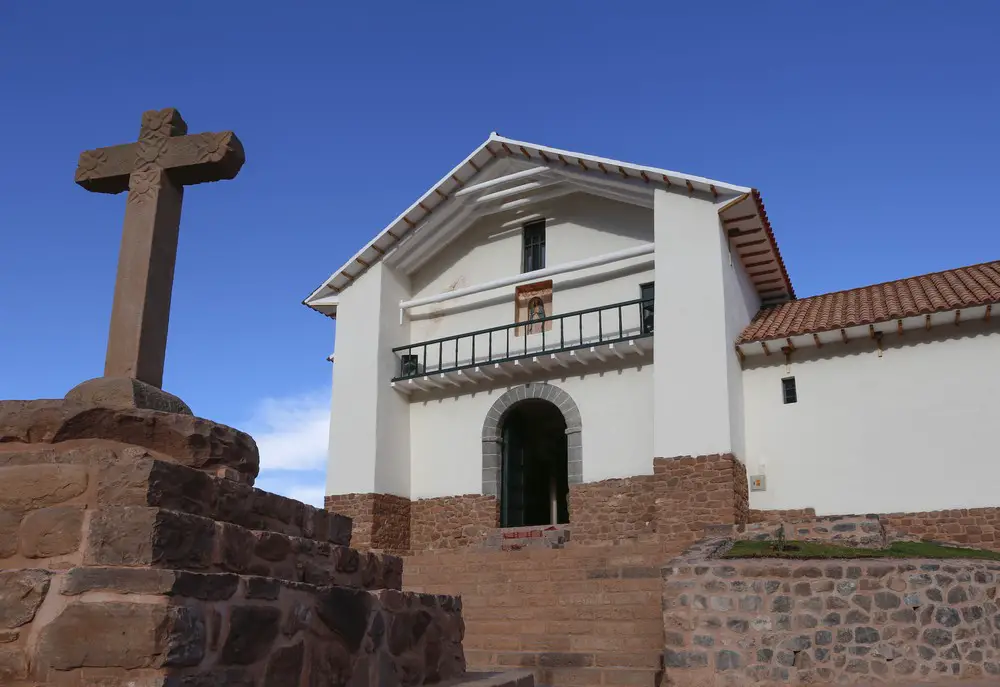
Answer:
(530, 421)
(534, 477)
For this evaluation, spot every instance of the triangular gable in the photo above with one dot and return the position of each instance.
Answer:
(744, 217)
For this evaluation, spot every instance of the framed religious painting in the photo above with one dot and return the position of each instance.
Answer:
(533, 303)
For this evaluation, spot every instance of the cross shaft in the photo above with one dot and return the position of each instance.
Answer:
(154, 171)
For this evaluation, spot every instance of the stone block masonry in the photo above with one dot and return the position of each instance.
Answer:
(976, 527)
(676, 502)
(856, 531)
(973, 527)
(134, 550)
(741, 622)
(380, 521)
(395, 524)
(454, 522)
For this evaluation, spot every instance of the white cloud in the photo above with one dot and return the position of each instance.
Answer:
(310, 494)
(301, 485)
(292, 432)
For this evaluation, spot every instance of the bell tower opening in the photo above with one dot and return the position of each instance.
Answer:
(534, 469)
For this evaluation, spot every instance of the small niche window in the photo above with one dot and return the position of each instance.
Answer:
(788, 392)
(534, 246)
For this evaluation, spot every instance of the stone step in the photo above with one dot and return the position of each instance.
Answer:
(133, 476)
(509, 678)
(577, 616)
(182, 541)
(520, 538)
(577, 676)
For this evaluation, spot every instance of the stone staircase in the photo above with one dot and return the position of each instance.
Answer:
(578, 615)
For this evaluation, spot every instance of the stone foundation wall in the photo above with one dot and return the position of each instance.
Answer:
(398, 525)
(742, 622)
(975, 527)
(780, 515)
(676, 502)
(452, 522)
(380, 521)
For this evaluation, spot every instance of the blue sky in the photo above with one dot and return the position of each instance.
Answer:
(870, 129)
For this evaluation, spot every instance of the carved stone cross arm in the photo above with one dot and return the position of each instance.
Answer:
(191, 159)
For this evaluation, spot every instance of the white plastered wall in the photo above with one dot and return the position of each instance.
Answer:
(741, 304)
(616, 405)
(369, 422)
(577, 226)
(616, 411)
(914, 430)
(703, 300)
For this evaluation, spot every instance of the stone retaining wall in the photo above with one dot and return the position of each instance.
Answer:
(976, 527)
(781, 515)
(743, 622)
(857, 531)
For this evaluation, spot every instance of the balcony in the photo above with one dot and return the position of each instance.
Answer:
(602, 335)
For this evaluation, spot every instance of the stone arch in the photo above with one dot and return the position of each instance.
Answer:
(494, 421)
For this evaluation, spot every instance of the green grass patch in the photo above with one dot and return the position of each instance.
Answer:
(802, 549)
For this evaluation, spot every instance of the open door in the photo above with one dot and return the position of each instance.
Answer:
(512, 477)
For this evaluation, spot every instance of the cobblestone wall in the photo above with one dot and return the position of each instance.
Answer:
(740, 622)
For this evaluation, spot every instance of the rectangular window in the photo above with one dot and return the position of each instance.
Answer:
(534, 246)
(646, 307)
(788, 392)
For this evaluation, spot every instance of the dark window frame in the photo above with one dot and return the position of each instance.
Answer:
(533, 246)
(646, 318)
(789, 390)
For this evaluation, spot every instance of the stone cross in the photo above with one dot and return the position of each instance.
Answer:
(154, 170)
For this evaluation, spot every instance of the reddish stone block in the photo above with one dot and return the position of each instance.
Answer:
(122, 635)
(53, 531)
(13, 665)
(252, 630)
(37, 486)
(150, 536)
(10, 523)
(21, 593)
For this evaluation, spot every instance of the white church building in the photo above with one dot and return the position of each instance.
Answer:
(497, 342)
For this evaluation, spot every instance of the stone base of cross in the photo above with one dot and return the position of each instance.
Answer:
(125, 393)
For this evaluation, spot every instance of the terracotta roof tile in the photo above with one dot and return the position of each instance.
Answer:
(964, 287)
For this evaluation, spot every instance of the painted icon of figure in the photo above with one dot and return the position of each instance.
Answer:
(536, 311)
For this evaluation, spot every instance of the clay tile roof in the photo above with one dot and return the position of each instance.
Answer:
(964, 287)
